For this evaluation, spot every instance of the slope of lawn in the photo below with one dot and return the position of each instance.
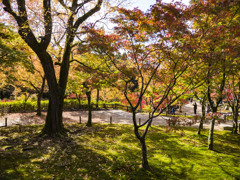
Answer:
(112, 152)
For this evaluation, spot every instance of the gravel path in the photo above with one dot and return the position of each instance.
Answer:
(103, 116)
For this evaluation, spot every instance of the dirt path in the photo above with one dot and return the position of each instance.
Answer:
(118, 117)
(103, 116)
(188, 108)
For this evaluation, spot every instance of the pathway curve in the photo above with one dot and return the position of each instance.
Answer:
(101, 116)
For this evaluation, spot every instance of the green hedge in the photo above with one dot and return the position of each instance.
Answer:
(29, 106)
(21, 106)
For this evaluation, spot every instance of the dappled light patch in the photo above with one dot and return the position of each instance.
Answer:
(111, 152)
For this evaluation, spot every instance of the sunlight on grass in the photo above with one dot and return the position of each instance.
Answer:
(113, 152)
(44, 157)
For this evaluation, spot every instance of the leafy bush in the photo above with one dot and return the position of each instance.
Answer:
(69, 104)
(44, 105)
(19, 106)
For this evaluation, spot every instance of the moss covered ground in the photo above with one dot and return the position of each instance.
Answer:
(112, 152)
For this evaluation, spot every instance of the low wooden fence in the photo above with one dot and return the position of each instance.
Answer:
(4, 111)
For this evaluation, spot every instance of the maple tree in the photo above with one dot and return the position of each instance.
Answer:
(37, 82)
(16, 64)
(147, 48)
(92, 66)
(155, 56)
(201, 95)
(73, 87)
(232, 92)
(175, 75)
(72, 14)
(27, 81)
(232, 53)
(232, 89)
(91, 74)
(218, 22)
(13, 53)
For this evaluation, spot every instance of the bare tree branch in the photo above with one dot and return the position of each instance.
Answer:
(47, 24)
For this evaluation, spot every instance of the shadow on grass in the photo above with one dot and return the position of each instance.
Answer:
(66, 157)
(111, 152)
(186, 156)
(51, 158)
(159, 169)
(231, 172)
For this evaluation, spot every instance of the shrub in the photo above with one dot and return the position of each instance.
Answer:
(69, 104)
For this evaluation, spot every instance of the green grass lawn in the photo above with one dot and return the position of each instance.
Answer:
(112, 152)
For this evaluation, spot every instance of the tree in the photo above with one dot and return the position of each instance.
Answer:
(36, 83)
(148, 47)
(73, 87)
(232, 91)
(214, 106)
(231, 51)
(13, 53)
(201, 95)
(216, 20)
(72, 14)
(90, 74)
(16, 63)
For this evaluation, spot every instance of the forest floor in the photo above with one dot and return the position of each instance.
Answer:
(111, 151)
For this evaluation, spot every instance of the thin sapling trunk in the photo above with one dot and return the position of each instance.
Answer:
(203, 116)
(89, 122)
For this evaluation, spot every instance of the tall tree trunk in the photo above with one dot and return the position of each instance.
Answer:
(235, 119)
(89, 122)
(39, 97)
(79, 100)
(39, 109)
(54, 125)
(202, 118)
(97, 98)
